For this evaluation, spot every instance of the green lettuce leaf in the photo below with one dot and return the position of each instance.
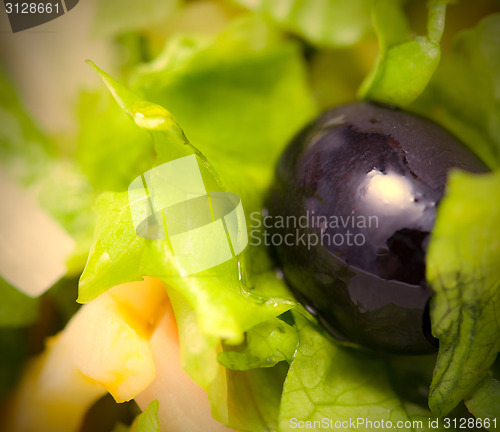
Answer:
(485, 402)
(335, 23)
(119, 254)
(406, 63)
(255, 396)
(326, 381)
(114, 17)
(147, 421)
(243, 399)
(104, 131)
(239, 96)
(219, 303)
(464, 94)
(462, 268)
(266, 345)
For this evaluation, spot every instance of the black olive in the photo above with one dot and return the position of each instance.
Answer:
(351, 210)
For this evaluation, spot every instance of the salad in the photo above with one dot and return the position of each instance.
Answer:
(104, 328)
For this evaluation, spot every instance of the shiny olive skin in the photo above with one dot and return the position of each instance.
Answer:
(365, 161)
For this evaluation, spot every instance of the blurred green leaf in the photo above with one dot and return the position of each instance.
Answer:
(114, 17)
(16, 308)
(148, 421)
(334, 23)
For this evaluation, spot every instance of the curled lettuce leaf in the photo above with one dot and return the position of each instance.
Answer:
(266, 345)
(462, 268)
(406, 63)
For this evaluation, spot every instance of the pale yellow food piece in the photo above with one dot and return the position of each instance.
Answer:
(184, 406)
(105, 346)
(113, 340)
